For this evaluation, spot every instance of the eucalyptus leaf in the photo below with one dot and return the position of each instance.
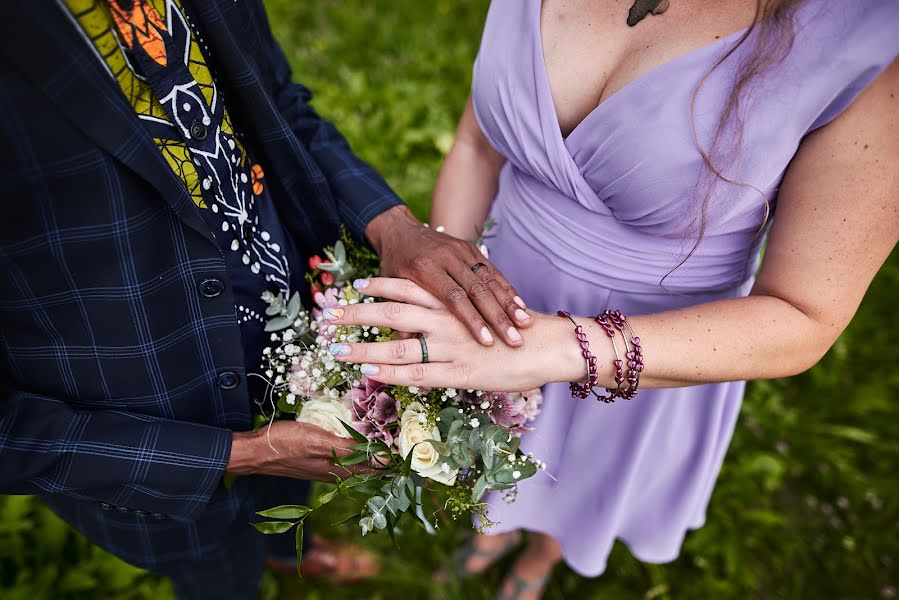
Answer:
(479, 489)
(294, 306)
(379, 520)
(277, 324)
(366, 524)
(441, 447)
(376, 504)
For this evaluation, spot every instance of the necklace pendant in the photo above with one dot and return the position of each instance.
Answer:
(641, 8)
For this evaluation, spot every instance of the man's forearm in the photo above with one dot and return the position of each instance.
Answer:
(245, 451)
(392, 222)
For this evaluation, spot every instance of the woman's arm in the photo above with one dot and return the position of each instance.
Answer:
(467, 181)
(837, 221)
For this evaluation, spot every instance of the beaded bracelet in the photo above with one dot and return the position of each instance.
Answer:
(633, 354)
(603, 321)
(579, 390)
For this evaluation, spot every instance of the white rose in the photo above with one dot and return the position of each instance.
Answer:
(327, 414)
(426, 461)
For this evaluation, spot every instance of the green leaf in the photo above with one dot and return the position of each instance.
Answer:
(351, 518)
(326, 497)
(277, 324)
(294, 306)
(391, 526)
(353, 459)
(442, 448)
(366, 524)
(355, 434)
(273, 527)
(480, 487)
(298, 542)
(286, 511)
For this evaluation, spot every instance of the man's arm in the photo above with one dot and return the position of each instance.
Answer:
(146, 463)
(123, 459)
(439, 263)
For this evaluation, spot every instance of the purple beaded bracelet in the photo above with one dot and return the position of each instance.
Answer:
(633, 354)
(582, 390)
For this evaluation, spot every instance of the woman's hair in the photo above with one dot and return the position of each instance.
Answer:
(773, 29)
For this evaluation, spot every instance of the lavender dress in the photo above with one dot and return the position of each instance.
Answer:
(597, 219)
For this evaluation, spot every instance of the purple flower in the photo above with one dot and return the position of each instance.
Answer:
(373, 411)
(509, 410)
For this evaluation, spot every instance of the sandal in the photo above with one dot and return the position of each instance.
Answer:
(459, 569)
(520, 586)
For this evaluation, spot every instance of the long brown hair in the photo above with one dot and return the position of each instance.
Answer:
(773, 26)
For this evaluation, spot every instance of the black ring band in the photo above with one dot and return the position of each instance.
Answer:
(424, 348)
(476, 266)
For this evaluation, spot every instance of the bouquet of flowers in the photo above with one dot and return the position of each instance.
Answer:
(458, 444)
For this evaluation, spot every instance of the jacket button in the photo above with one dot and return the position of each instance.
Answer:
(106, 506)
(123, 509)
(198, 131)
(158, 516)
(140, 513)
(211, 287)
(228, 380)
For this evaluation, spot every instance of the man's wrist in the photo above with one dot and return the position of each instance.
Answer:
(245, 453)
(387, 223)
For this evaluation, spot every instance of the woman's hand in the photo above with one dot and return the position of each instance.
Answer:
(456, 360)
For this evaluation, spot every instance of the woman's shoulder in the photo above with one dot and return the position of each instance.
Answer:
(841, 47)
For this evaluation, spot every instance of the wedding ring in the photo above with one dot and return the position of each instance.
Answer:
(424, 347)
(476, 266)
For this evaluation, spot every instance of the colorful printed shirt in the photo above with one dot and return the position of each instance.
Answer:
(154, 52)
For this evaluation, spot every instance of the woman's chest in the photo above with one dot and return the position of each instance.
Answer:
(590, 53)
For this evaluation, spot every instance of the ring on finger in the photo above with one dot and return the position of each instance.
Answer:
(424, 347)
(477, 266)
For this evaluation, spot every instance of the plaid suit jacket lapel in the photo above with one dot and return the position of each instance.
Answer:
(43, 42)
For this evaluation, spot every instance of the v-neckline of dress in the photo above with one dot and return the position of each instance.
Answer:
(636, 82)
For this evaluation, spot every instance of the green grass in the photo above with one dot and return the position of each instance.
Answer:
(807, 505)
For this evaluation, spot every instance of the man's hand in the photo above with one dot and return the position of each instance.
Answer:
(291, 449)
(441, 264)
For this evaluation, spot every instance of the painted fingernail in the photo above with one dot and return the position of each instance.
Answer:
(486, 336)
(360, 284)
(332, 314)
(370, 369)
(513, 334)
(521, 316)
(339, 349)
(519, 301)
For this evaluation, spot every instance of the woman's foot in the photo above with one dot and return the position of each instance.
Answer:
(479, 554)
(529, 574)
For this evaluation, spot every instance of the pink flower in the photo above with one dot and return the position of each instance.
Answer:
(327, 278)
(532, 401)
(507, 410)
(374, 411)
(330, 298)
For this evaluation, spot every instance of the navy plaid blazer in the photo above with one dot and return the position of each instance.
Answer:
(122, 372)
